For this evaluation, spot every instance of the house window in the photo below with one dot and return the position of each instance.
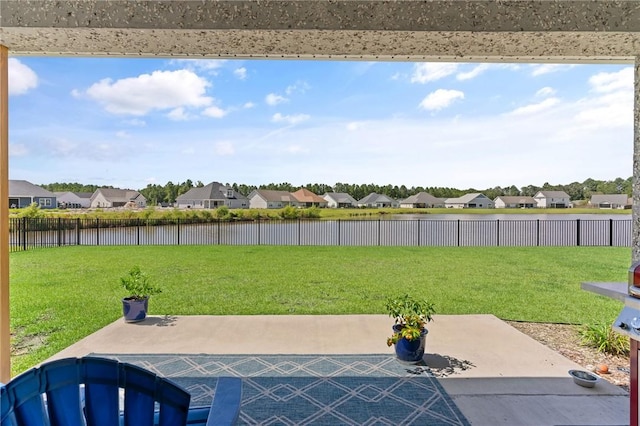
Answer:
(229, 193)
(45, 202)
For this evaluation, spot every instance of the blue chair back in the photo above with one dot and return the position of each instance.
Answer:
(86, 391)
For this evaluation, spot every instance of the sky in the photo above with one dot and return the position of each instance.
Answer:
(129, 123)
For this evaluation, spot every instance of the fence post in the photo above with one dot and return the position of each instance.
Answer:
(458, 232)
(97, 231)
(419, 232)
(610, 232)
(178, 229)
(299, 231)
(24, 233)
(498, 232)
(77, 231)
(537, 232)
(379, 231)
(578, 232)
(138, 231)
(219, 230)
(258, 232)
(59, 231)
(338, 232)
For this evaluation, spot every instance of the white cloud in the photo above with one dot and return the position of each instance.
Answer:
(214, 111)
(248, 105)
(159, 90)
(290, 119)
(210, 65)
(545, 91)
(274, 99)
(240, 73)
(542, 69)
(439, 99)
(21, 78)
(609, 82)
(224, 148)
(426, 72)
(296, 149)
(135, 122)
(535, 108)
(297, 87)
(18, 150)
(354, 125)
(178, 114)
(122, 134)
(476, 71)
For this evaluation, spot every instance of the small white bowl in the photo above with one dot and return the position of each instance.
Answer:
(584, 378)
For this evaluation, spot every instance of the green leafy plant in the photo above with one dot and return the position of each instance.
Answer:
(137, 284)
(604, 339)
(410, 315)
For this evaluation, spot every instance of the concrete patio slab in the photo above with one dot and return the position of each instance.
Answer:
(495, 374)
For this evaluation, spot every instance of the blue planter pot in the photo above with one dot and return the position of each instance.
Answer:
(410, 350)
(134, 310)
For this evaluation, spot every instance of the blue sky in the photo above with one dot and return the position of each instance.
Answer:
(133, 122)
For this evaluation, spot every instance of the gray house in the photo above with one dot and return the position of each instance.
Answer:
(374, 200)
(113, 197)
(212, 196)
(469, 201)
(271, 199)
(610, 201)
(421, 200)
(23, 194)
(74, 200)
(339, 200)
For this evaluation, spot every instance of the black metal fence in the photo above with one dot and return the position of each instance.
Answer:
(27, 233)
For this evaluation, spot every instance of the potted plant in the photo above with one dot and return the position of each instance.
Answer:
(135, 306)
(409, 331)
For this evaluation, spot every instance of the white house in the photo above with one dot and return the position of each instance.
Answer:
(339, 200)
(212, 196)
(514, 202)
(270, 199)
(610, 201)
(469, 201)
(552, 200)
(113, 197)
(421, 200)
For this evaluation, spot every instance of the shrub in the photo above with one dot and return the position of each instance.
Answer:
(222, 212)
(289, 212)
(32, 211)
(604, 339)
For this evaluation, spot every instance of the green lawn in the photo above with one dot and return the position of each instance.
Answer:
(59, 295)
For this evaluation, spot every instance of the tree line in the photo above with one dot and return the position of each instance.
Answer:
(159, 194)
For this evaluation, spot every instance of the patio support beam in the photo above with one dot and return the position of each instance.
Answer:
(5, 334)
(635, 240)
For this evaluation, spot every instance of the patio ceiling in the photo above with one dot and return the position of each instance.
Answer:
(435, 30)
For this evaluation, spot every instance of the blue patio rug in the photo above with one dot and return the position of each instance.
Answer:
(314, 389)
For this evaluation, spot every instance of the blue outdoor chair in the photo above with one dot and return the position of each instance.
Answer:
(86, 391)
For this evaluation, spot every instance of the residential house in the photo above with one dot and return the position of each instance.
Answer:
(23, 194)
(552, 200)
(421, 200)
(339, 200)
(271, 199)
(212, 196)
(514, 202)
(307, 198)
(113, 197)
(374, 200)
(74, 200)
(470, 201)
(610, 201)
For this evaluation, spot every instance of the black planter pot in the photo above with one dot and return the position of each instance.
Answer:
(410, 350)
(134, 310)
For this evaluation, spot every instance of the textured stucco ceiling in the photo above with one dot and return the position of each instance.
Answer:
(459, 30)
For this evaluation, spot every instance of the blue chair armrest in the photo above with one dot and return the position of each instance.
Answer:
(225, 407)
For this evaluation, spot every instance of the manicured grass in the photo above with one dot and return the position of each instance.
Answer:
(59, 295)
